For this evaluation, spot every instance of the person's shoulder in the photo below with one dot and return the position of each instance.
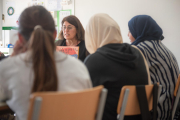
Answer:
(10, 62)
(77, 75)
(75, 62)
(143, 45)
(92, 57)
(146, 43)
(68, 60)
(2, 57)
(6, 65)
(82, 41)
(127, 45)
(5, 61)
(81, 44)
(95, 60)
(59, 42)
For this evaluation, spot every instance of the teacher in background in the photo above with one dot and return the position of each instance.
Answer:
(72, 34)
(146, 34)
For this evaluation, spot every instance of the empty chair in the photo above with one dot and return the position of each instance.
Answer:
(82, 105)
(128, 104)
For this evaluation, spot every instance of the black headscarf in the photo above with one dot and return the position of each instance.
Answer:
(143, 27)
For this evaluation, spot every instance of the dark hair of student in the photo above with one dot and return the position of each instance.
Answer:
(37, 27)
(74, 21)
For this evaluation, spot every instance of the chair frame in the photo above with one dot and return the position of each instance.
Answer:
(124, 103)
(177, 95)
(125, 99)
(100, 109)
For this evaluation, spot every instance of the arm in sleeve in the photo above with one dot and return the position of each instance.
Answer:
(3, 95)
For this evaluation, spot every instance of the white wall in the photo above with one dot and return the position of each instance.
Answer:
(20, 5)
(0, 22)
(165, 12)
(10, 21)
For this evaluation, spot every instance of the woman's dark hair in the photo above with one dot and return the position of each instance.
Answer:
(74, 21)
(37, 27)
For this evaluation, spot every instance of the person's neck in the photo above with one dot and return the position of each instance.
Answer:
(73, 42)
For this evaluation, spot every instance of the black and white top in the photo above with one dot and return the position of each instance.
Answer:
(164, 69)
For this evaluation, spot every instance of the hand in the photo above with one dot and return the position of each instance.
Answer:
(18, 48)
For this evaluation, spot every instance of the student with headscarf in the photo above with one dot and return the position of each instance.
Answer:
(146, 34)
(112, 63)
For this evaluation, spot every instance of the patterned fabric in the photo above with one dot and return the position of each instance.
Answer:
(163, 69)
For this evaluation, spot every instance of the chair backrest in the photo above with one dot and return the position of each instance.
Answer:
(177, 86)
(82, 105)
(132, 107)
(176, 96)
(128, 102)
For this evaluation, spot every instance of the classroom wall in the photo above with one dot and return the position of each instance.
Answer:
(165, 12)
(0, 21)
(20, 5)
(11, 21)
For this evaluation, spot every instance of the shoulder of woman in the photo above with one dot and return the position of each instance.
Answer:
(82, 43)
(58, 42)
(92, 59)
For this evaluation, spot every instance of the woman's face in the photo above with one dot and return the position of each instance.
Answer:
(69, 31)
(132, 39)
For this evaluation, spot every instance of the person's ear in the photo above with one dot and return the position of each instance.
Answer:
(55, 33)
(21, 38)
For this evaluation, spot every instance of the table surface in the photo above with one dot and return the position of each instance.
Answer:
(3, 106)
(4, 109)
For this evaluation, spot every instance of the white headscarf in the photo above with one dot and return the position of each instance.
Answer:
(101, 30)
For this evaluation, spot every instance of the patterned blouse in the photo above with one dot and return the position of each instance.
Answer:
(163, 69)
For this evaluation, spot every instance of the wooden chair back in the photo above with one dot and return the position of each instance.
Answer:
(132, 106)
(82, 105)
(177, 86)
(176, 97)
